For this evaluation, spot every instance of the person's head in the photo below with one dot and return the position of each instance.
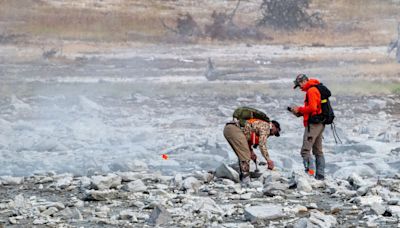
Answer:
(300, 81)
(276, 128)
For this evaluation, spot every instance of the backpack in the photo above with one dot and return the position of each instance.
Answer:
(245, 113)
(327, 115)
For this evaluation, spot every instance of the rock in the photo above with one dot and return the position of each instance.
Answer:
(263, 212)
(70, 214)
(159, 216)
(45, 180)
(101, 195)
(57, 205)
(102, 212)
(368, 200)
(303, 185)
(64, 182)
(106, 182)
(136, 186)
(85, 182)
(128, 176)
(178, 181)
(191, 184)
(8, 180)
(322, 220)
(227, 182)
(128, 215)
(208, 205)
(303, 223)
(362, 191)
(225, 171)
(274, 189)
(356, 181)
(50, 211)
(378, 208)
(39, 221)
(395, 210)
(205, 177)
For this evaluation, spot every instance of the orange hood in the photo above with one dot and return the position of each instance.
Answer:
(310, 82)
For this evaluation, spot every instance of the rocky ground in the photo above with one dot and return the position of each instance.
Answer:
(199, 199)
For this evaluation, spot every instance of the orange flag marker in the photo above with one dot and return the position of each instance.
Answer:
(164, 156)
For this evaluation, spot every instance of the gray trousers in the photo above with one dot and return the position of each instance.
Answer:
(312, 140)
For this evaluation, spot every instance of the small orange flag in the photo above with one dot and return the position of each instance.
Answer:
(164, 156)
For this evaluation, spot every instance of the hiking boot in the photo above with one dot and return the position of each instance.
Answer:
(319, 177)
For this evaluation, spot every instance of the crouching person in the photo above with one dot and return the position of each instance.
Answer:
(242, 135)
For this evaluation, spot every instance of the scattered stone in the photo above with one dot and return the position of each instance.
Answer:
(225, 171)
(128, 215)
(106, 182)
(101, 195)
(136, 186)
(64, 182)
(70, 214)
(50, 211)
(322, 220)
(303, 185)
(159, 216)
(303, 223)
(263, 212)
(191, 184)
(378, 208)
(8, 180)
(356, 181)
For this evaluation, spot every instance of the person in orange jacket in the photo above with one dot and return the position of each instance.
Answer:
(312, 139)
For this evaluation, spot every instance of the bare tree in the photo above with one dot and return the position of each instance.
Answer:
(288, 14)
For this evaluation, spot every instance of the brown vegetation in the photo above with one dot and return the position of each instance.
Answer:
(356, 22)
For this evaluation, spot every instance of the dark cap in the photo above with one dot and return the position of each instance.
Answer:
(278, 126)
(299, 78)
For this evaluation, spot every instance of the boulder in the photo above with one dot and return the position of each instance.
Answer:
(159, 216)
(322, 220)
(378, 208)
(106, 182)
(8, 180)
(191, 184)
(136, 186)
(225, 171)
(263, 212)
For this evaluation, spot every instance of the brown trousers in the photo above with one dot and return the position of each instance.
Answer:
(312, 139)
(234, 135)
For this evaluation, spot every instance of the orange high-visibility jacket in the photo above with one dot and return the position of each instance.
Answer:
(312, 101)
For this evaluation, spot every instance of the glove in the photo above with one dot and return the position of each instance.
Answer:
(253, 156)
(270, 164)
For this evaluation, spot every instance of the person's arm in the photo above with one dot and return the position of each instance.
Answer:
(263, 135)
(314, 98)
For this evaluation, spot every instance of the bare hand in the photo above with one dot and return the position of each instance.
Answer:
(270, 164)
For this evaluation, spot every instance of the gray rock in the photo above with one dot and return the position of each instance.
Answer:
(205, 177)
(70, 214)
(303, 185)
(378, 208)
(208, 205)
(128, 215)
(106, 182)
(303, 223)
(8, 180)
(50, 211)
(136, 186)
(64, 182)
(101, 195)
(275, 189)
(356, 181)
(178, 181)
(263, 212)
(225, 171)
(191, 184)
(128, 176)
(322, 220)
(159, 216)
(85, 182)
(362, 191)
(395, 210)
